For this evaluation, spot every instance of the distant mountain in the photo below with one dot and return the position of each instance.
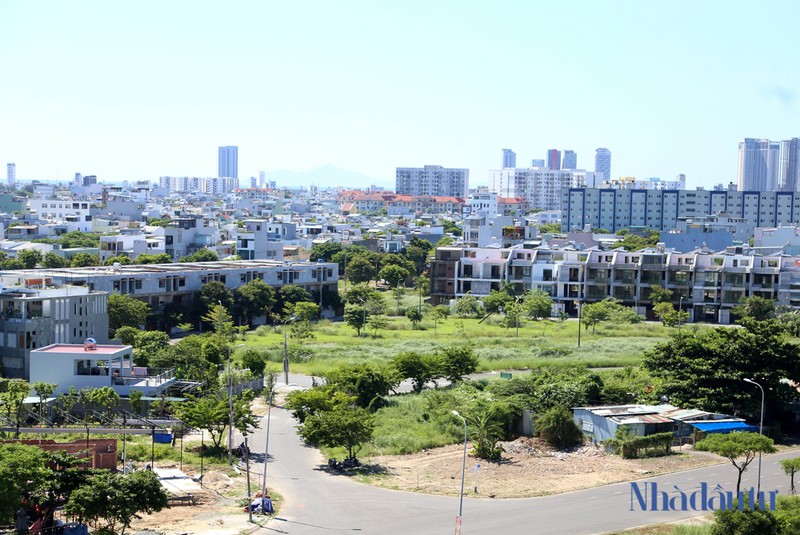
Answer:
(327, 176)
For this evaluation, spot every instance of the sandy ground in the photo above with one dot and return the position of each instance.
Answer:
(528, 468)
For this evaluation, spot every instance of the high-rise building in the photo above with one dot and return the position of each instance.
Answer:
(789, 175)
(602, 163)
(11, 173)
(570, 160)
(432, 180)
(262, 179)
(537, 163)
(759, 160)
(228, 162)
(554, 159)
(540, 188)
(509, 158)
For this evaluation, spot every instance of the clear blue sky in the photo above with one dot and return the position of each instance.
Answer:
(135, 90)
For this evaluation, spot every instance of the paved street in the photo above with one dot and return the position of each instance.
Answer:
(319, 502)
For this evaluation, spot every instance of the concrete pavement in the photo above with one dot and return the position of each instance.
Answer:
(320, 502)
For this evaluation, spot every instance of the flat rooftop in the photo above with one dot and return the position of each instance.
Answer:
(79, 348)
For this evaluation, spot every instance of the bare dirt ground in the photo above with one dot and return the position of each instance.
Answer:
(528, 468)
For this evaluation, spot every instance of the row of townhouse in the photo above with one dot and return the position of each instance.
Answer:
(65, 306)
(616, 209)
(707, 284)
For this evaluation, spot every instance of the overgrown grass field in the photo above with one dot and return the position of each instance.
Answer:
(540, 343)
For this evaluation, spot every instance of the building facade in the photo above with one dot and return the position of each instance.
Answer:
(433, 180)
(11, 173)
(554, 159)
(161, 284)
(706, 284)
(36, 312)
(228, 164)
(509, 158)
(570, 160)
(789, 172)
(615, 209)
(602, 163)
(759, 160)
(540, 188)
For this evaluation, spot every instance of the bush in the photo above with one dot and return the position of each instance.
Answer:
(557, 428)
(747, 522)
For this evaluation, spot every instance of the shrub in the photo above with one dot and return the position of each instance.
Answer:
(557, 428)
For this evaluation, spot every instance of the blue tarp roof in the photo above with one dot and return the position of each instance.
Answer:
(723, 427)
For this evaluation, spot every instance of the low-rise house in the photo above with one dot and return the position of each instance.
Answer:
(92, 365)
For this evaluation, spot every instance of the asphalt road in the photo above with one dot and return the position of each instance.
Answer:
(316, 501)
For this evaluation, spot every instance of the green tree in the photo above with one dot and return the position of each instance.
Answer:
(202, 255)
(739, 447)
(790, 467)
(85, 260)
(468, 306)
(148, 344)
(117, 500)
(215, 293)
(305, 311)
(12, 395)
(126, 311)
(457, 361)
(557, 428)
(660, 295)
(29, 258)
(254, 360)
(127, 334)
(43, 391)
(291, 294)
(414, 316)
(421, 369)
(486, 425)
(106, 398)
(360, 269)
(368, 385)
(22, 476)
(304, 403)
(755, 307)
(210, 412)
(496, 301)
(76, 239)
(746, 522)
(355, 316)
(668, 315)
(376, 322)
(705, 369)
(325, 251)
(119, 259)
(439, 313)
(255, 298)
(342, 426)
(52, 261)
(159, 258)
(393, 274)
(538, 304)
(135, 399)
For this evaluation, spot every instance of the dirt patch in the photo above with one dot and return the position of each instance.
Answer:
(528, 468)
(217, 509)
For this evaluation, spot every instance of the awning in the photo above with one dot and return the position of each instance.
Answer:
(723, 427)
(30, 400)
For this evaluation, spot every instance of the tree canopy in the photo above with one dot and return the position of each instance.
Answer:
(739, 447)
(705, 369)
(124, 311)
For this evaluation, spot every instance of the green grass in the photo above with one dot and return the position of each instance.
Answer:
(543, 343)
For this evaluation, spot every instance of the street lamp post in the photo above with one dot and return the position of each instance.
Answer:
(760, 429)
(463, 466)
(286, 352)
(266, 452)
(230, 406)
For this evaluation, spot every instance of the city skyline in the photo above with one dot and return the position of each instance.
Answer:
(144, 104)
